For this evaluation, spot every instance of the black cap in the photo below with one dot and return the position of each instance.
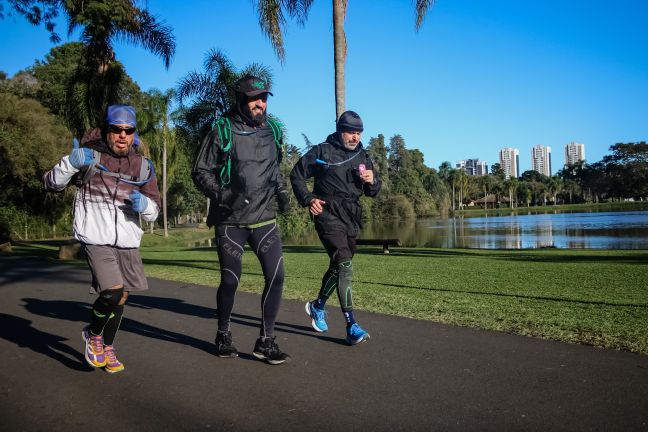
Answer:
(349, 121)
(251, 85)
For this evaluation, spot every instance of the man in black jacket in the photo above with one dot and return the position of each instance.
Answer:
(238, 169)
(343, 173)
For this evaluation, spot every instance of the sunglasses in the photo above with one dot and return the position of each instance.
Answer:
(262, 96)
(118, 130)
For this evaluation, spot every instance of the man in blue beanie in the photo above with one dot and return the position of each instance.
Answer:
(115, 188)
(343, 172)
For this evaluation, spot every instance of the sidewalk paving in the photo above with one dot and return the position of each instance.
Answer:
(411, 376)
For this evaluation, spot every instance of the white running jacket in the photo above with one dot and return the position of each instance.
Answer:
(103, 214)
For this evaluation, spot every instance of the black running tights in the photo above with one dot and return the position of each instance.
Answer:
(265, 241)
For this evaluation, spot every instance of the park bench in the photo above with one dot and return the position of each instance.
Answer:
(385, 243)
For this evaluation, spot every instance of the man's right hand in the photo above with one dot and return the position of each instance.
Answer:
(80, 157)
(316, 206)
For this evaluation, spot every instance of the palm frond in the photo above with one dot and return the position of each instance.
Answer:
(259, 70)
(272, 23)
(216, 61)
(193, 85)
(298, 9)
(422, 6)
(155, 36)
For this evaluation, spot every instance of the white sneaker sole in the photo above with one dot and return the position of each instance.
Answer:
(317, 329)
(359, 341)
(260, 356)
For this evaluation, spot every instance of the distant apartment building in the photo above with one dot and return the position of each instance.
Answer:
(509, 159)
(541, 159)
(574, 152)
(473, 167)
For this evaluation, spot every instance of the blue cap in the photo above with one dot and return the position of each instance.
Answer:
(121, 114)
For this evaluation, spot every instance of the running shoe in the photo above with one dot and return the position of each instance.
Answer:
(224, 346)
(355, 334)
(318, 317)
(94, 352)
(268, 350)
(112, 364)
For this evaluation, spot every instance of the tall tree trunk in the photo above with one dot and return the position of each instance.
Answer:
(164, 184)
(454, 199)
(339, 53)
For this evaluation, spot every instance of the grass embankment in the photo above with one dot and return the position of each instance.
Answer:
(596, 297)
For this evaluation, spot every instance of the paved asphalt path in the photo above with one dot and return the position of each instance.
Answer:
(411, 376)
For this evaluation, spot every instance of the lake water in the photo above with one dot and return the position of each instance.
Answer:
(596, 230)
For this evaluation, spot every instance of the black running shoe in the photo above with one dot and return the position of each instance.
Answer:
(268, 350)
(224, 346)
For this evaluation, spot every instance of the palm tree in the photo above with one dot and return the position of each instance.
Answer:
(485, 182)
(511, 186)
(162, 140)
(448, 175)
(100, 76)
(272, 22)
(463, 181)
(205, 96)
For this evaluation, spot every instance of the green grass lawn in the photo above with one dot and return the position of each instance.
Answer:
(597, 297)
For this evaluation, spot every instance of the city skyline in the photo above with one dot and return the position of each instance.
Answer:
(508, 159)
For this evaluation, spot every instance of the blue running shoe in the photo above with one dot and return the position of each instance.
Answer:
(355, 334)
(318, 317)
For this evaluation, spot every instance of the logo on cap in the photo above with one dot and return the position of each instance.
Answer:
(259, 85)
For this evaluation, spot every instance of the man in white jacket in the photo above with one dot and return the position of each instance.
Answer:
(116, 186)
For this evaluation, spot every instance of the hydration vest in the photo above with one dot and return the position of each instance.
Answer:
(225, 134)
(146, 171)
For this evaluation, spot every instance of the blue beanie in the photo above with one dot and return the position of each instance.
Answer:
(121, 114)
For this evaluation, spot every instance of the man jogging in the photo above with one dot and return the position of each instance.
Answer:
(116, 186)
(343, 173)
(238, 169)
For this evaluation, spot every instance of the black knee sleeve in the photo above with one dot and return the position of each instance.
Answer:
(110, 299)
(103, 307)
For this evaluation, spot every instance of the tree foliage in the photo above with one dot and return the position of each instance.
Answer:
(31, 142)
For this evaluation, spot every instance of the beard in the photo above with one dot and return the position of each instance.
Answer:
(252, 119)
(257, 119)
(347, 144)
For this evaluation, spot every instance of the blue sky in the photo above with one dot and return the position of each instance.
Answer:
(480, 75)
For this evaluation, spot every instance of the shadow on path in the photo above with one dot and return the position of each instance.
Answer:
(20, 331)
(80, 312)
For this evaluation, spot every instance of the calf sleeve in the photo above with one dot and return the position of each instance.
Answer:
(345, 275)
(329, 281)
(102, 308)
(111, 327)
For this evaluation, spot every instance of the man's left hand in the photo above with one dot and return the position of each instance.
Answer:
(139, 201)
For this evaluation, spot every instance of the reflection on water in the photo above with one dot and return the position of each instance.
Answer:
(603, 230)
